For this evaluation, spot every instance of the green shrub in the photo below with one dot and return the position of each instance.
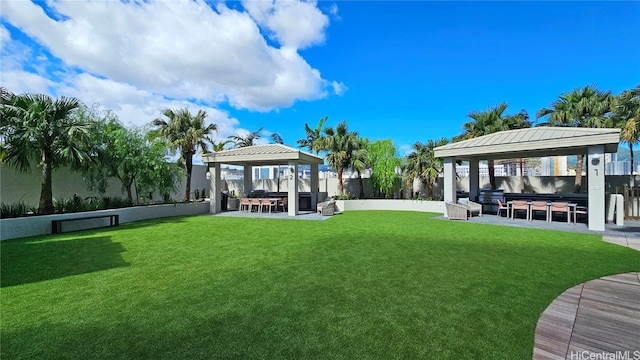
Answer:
(16, 210)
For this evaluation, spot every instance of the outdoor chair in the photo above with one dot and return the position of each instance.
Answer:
(472, 207)
(284, 204)
(269, 204)
(245, 203)
(503, 206)
(457, 211)
(582, 210)
(561, 207)
(519, 205)
(256, 203)
(539, 206)
(326, 208)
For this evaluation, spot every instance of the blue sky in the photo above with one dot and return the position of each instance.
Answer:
(409, 71)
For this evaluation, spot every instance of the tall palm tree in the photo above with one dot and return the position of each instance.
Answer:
(359, 160)
(312, 135)
(339, 144)
(219, 146)
(626, 116)
(36, 127)
(422, 164)
(185, 133)
(491, 121)
(246, 140)
(585, 107)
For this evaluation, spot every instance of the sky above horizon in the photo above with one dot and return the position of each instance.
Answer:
(408, 71)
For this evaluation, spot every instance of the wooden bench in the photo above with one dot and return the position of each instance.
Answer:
(56, 225)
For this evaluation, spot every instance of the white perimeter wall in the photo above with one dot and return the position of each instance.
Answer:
(41, 225)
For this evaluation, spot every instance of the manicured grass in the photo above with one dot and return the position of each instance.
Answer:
(359, 285)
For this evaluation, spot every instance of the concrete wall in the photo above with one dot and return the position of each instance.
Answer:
(15, 187)
(26, 187)
(390, 204)
(41, 225)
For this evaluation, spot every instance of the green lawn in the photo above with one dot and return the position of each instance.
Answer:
(359, 285)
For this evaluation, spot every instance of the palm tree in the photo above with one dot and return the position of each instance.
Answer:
(359, 160)
(422, 164)
(219, 146)
(339, 144)
(246, 140)
(276, 138)
(186, 133)
(312, 135)
(491, 121)
(36, 127)
(585, 107)
(626, 116)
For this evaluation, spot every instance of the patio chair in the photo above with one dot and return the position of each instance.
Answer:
(269, 204)
(582, 210)
(539, 206)
(256, 203)
(561, 207)
(284, 204)
(472, 207)
(519, 205)
(503, 206)
(244, 203)
(457, 211)
(326, 208)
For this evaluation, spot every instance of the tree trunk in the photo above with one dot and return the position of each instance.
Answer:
(188, 161)
(129, 195)
(430, 190)
(46, 194)
(361, 183)
(492, 174)
(631, 170)
(521, 176)
(340, 186)
(578, 184)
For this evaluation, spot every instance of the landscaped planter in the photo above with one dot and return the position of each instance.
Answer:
(391, 204)
(41, 224)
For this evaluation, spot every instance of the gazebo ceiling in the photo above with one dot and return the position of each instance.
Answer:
(271, 154)
(533, 142)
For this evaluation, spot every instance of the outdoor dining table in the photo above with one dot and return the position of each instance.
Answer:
(571, 209)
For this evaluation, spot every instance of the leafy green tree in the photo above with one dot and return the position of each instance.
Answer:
(311, 135)
(339, 144)
(188, 134)
(384, 164)
(36, 128)
(422, 164)
(626, 116)
(136, 160)
(491, 121)
(585, 107)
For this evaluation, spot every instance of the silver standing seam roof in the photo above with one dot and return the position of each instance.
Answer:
(532, 142)
(271, 154)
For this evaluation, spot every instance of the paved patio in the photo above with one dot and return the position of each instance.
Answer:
(302, 215)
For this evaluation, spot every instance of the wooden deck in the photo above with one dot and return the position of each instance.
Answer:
(600, 317)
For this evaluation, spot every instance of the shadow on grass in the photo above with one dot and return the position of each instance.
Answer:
(26, 262)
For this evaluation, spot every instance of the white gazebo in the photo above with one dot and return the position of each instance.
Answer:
(535, 142)
(258, 155)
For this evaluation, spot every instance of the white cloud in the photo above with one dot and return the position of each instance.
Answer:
(296, 24)
(5, 36)
(338, 87)
(181, 49)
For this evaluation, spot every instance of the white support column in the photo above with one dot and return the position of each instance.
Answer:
(314, 185)
(449, 180)
(247, 179)
(292, 181)
(474, 180)
(215, 204)
(595, 175)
